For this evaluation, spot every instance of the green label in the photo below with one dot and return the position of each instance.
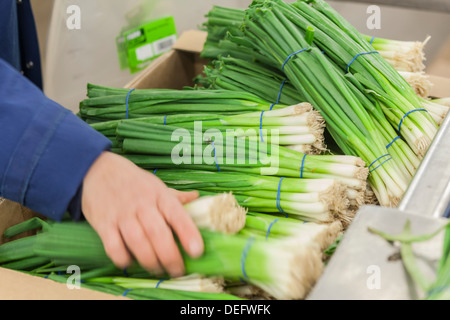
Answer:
(139, 46)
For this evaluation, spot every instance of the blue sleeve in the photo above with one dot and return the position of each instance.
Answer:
(45, 150)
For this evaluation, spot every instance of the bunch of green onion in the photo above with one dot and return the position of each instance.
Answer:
(297, 126)
(109, 103)
(397, 53)
(230, 73)
(327, 89)
(282, 269)
(314, 200)
(342, 43)
(152, 147)
(419, 81)
(107, 285)
(405, 56)
(281, 227)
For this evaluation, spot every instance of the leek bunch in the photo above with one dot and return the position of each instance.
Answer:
(405, 56)
(298, 126)
(321, 200)
(348, 49)
(285, 270)
(328, 90)
(230, 73)
(108, 103)
(247, 164)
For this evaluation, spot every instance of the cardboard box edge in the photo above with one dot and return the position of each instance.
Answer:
(21, 286)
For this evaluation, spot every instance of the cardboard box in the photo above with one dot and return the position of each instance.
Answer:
(176, 68)
(173, 70)
(19, 286)
(440, 65)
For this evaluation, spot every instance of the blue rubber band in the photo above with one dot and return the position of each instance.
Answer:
(390, 144)
(270, 227)
(125, 272)
(260, 127)
(279, 93)
(291, 55)
(244, 256)
(215, 156)
(165, 120)
(372, 40)
(380, 165)
(154, 172)
(359, 54)
(128, 99)
(386, 155)
(407, 114)
(280, 209)
(271, 108)
(303, 166)
(159, 282)
(126, 292)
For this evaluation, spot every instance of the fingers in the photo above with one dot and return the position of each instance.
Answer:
(115, 247)
(185, 197)
(182, 224)
(141, 248)
(161, 238)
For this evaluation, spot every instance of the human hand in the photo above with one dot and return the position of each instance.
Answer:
(134, 214)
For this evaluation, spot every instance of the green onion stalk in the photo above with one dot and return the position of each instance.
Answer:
(422, 85)
(298, 127)
(190, 283)
(436, 109)
(321, 200)
(229, 73)
(438, 289)
(328, 90)
(284, 270)
(405, 56)
(281, 227)
(108, 103)
(442, 101)
(221, 20)
(419, 81)
(222, 25)
(347, 48)
(220, 213)
(158, 294)
(153, 147)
